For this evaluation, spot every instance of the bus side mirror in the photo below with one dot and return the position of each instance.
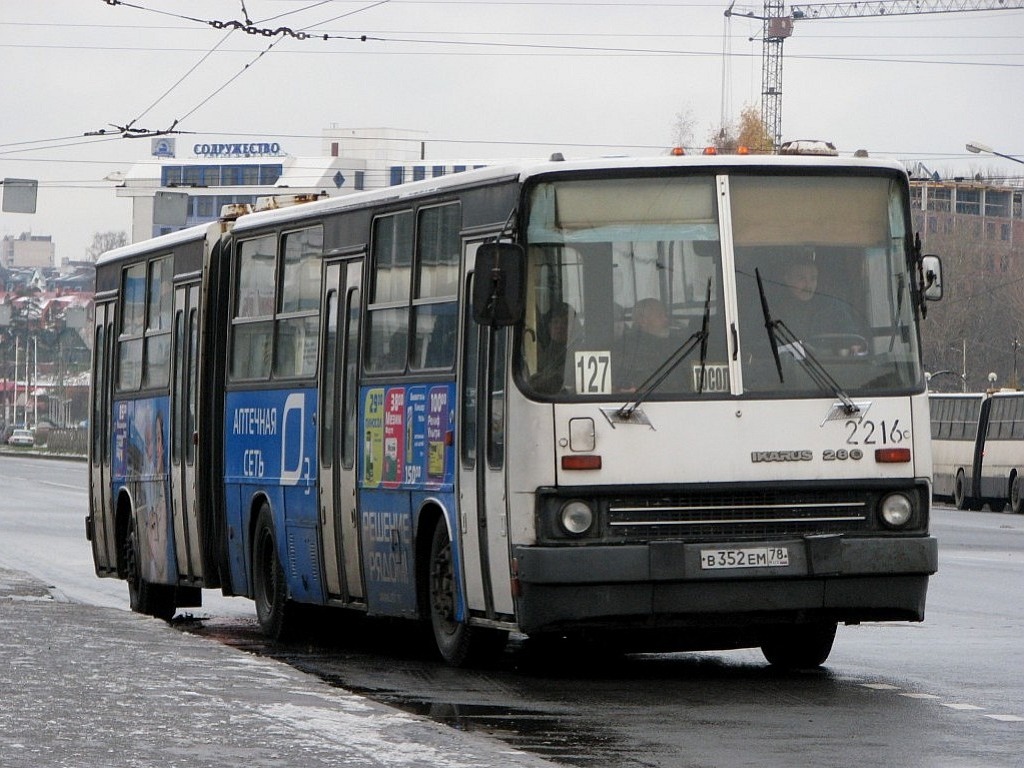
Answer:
(498, 284)
(931, 269)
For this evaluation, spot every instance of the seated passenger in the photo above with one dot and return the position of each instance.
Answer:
(555, 349)
(646, 346)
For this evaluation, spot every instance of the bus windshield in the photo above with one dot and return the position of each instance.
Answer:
(630, 289)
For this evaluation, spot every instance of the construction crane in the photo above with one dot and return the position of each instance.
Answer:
(778, 25)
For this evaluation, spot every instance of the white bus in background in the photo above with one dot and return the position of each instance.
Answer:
(956, 456)
(978, 449)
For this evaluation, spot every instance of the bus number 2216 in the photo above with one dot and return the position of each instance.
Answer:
(876, 433)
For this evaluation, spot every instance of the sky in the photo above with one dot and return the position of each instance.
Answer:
(482, 79)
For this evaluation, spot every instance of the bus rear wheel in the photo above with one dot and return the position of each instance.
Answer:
(804, 646)
(270, 590)
(155, 600)
(458, 643)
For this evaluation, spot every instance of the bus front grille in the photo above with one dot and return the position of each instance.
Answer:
(747, 516)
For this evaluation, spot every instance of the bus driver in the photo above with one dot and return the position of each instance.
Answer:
(815, 317)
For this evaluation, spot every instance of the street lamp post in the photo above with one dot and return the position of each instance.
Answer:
(978, 148)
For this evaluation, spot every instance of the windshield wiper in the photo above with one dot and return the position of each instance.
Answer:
(652, 382)
(769, 325)
(779, 331)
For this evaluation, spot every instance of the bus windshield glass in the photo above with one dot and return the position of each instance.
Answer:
(826, 259)
(625, 288)
(619, 276)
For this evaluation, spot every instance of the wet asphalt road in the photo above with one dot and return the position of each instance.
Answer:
(949, 692)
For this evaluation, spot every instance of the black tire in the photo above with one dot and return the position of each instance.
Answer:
(803, 646)
(960, 497)
(155, 600)
(270, 590)
(458, 643)
(1017, 495)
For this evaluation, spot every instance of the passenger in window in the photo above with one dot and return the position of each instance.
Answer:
(646, 346)
(560, 338)
(441, 346)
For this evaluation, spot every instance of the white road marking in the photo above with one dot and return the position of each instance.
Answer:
(937, 699)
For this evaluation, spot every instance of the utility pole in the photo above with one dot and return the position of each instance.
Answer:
(1016, 345)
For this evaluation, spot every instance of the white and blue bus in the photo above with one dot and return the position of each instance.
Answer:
(558, 398)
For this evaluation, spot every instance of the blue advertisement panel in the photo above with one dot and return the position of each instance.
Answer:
(270, 448)
(140, 464)
(271, 438)
(406, 454)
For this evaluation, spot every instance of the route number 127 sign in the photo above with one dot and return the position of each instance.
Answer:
(593, 373)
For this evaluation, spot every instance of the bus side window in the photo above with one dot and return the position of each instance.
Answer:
(132, 327)
(438, 246)
(252, 332)
(251, 350)
(298, 324)
(387, 317)
(439, 339)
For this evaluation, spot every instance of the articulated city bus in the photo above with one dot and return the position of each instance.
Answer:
(978, 449)
(675, 402)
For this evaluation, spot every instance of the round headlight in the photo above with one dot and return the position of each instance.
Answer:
(896, 510)
(577, 518)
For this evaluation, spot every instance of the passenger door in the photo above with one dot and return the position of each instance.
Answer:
(339, 523)
(185, 359)
(104, 539)
(482, 492)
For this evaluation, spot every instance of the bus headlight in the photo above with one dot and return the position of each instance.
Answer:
(896, 510)
(576, 518)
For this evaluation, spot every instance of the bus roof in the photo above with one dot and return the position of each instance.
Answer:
(521, 170)
(162, 242)
(526, 169)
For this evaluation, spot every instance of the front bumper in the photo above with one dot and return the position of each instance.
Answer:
(662, 584)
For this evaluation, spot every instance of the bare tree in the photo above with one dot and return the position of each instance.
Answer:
(682, 127)
(105, 241)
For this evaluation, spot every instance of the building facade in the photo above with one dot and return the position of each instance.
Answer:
(27, 251)
(992, 213)
(224, 173)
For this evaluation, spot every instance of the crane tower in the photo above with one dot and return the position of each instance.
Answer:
(778, 25)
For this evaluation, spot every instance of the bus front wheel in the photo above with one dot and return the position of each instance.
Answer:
(459, 643)
(155, 600)
(800, 647)
(270, 590)
(960, 498)
(1017, 495)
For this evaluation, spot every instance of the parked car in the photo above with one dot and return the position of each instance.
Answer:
(22, 437)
